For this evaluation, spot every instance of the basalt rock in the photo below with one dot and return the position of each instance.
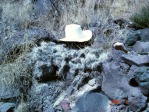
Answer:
(92, 102)
(141, 47)
(139, 60)
(142, 78)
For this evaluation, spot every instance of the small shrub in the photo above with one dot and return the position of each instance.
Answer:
(141, 19)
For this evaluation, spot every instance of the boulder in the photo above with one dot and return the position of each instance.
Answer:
(132, 38)
(141, 47)
(7, 107)
(138, 35)
(114, 83)
(139, 60)
(142, 77)
(136, 104)
(92, 102)
(144, 34)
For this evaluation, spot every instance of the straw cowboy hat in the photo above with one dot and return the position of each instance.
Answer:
(74, 33)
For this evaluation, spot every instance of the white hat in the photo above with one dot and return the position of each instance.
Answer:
(74, 33)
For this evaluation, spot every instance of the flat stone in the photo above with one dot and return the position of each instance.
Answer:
(141, 47)
(139, 60)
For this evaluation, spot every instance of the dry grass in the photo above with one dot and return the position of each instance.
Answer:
(11, 72)
(20, 11)
(84, 13)
(22, 107)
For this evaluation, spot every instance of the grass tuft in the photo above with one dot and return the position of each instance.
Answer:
(141, 18)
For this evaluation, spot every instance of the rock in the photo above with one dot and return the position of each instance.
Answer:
(65, 105)
(42, 96)
(120, 46)
(138, 35)
(142, 78)
(113, 78)
(92, 82)
(114, 83)
(132, 71)
(144, 34)
(141, 47)
(116, 56)
(132, 38)
(137, 103)
(7, 107)
(124, 67)
(138, 60)
(8, 92)
(92, 102)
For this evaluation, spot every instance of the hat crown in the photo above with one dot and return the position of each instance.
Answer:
(73, 31)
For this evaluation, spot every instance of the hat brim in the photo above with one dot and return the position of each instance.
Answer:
(87, 35)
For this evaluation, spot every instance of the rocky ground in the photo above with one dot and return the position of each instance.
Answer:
(38, 73)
